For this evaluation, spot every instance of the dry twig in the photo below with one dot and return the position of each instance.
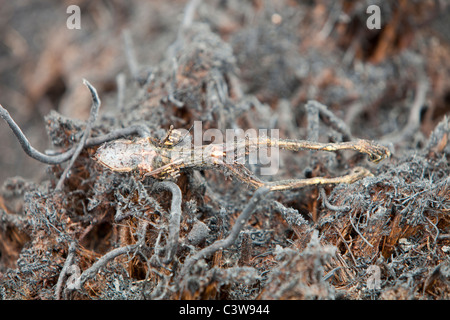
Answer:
(175, 217)
(92, 117)
(231, 238)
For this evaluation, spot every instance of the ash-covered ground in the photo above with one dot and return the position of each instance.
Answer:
(229, 64)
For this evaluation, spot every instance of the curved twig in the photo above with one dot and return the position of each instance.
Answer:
(330, 206)
(87, 131)
(26, 146)
(231, 238)
(93, 270)
(67, 264)
(175, 217)
(141, 130)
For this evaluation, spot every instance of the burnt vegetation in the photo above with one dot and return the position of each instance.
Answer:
(82, 231)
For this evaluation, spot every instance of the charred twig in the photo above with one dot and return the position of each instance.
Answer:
(231, 238)
(313, 121)
(172, 85)
(92, 117)
(26, 146)
(67, 264)
(330, 118)
(131, 55)
(413, 123)
(140, 130)
(175, 217)
(357, 230)
(54, 159)
(93, 270)
(435, 227)
(188, 18)
(189, 12)
(333, 17)
(328, 205)
(121, 83)
(331, 273)
(17, 220)
(346, 245)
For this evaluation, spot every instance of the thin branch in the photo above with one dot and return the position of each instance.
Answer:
(175, 217)
(231, 238)
(26, 146)
(131, 55)
(186, 23)
(331, 119)
(357, 231)
(140, 130)
(328, 205)
(92, 117)
(189, 12)
(121, 84)
(67, 264)
(53, 159)
(94, 269)
(333, 16)
(346, 244)
(313, 121)
(413, 123)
